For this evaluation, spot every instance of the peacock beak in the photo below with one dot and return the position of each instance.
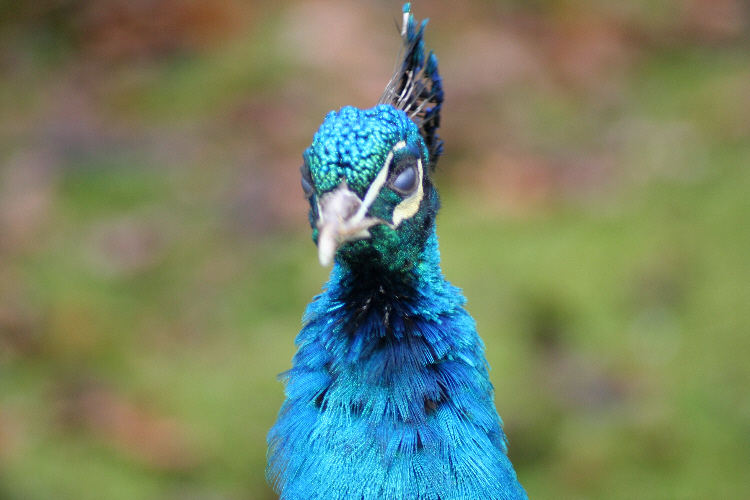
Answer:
(342, 217)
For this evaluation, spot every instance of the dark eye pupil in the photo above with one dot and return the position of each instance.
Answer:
(406, 180)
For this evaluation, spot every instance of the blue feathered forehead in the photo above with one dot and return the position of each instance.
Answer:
(353, 144)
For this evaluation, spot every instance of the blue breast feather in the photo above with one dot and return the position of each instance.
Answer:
(390, 402)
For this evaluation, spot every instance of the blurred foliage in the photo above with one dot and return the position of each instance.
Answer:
(155, 259)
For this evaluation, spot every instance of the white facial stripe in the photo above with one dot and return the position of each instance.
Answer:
(409, 206)
(378, 183)
(374, 189)
(320, 210)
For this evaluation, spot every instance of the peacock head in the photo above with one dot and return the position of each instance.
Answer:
(367, 178)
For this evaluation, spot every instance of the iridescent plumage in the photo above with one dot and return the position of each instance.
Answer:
(389, 395)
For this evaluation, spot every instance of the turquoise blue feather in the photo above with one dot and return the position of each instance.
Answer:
(389, 395)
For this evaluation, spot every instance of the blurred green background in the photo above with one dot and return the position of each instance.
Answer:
(155, 257)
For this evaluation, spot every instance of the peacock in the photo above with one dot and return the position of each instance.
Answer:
(389, 395)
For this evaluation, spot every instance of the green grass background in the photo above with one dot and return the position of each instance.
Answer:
(155, 259)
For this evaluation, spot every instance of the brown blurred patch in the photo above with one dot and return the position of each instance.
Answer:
(11, 435)
(260, 201)
(264, 194)
(127, 245)
(21, 321)
(714, 21)
(498, 57)
(340, 40)
(27, 187)
(118, 30)
(74, 329)
(20, 325)
(519, 181)
(133, 429)
(587, 49)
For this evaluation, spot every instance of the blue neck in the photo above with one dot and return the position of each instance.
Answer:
(389, 395)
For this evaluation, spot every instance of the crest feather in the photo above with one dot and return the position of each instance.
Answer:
(416, 87)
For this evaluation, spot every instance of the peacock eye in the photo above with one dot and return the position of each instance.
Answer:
(406, 181)
(306, 181)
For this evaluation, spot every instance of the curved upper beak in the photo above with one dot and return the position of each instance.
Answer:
(342, 217)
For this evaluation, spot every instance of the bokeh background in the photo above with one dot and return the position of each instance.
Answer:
(155, 257)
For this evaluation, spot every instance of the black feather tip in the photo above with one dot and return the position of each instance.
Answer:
(416, 86)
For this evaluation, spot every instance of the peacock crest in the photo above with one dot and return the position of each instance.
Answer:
(416, 87)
